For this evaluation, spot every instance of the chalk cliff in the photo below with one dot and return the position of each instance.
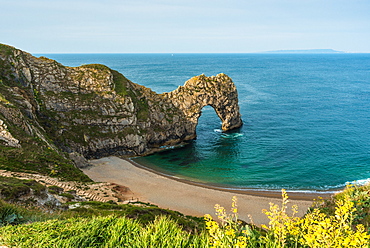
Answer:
(95, 111)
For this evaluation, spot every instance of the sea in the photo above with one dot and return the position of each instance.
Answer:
(306, 118)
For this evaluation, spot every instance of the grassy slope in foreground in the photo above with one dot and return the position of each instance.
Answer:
(340, 222)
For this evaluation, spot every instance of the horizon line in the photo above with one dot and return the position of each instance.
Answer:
(173, 53)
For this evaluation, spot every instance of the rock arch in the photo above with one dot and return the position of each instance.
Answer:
(218, 91)
(96, 111)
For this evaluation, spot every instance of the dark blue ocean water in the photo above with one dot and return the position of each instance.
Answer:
(306, 117)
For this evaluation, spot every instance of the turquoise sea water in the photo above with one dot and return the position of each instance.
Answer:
(306, 117)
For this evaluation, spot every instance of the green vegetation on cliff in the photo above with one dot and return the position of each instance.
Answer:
(36, 152)
(5, 69)
(35, 157)
(6, 50)
(120, 83)
(121, 87)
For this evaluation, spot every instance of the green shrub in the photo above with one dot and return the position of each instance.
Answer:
(67, 195)
(55, 189)
(12, 188)
(96, 66)
(358, 195)
(10, 215)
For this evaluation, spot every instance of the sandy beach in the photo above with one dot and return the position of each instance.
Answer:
(187, 198)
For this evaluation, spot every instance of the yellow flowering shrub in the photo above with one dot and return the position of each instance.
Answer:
(315, 229)
(228, 232)
(320, 230)
(282, 228)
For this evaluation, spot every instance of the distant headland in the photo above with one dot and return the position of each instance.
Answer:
(306, 51)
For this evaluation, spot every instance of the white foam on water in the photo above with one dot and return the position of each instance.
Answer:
(231, 135)
(360, 182)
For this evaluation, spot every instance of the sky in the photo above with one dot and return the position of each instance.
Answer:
(184, 26)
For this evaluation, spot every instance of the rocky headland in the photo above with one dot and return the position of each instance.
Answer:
(92, 111)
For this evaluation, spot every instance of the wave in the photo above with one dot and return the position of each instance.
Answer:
(360, 182)
(228, 135)
(231, 135)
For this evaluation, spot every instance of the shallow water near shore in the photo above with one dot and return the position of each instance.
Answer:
(306, 118)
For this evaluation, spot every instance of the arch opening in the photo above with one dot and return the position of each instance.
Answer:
(208, 120)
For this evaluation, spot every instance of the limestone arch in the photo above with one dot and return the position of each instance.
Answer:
(218, 91)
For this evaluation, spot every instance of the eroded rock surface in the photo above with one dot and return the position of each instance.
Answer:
(6, 137)
(218, 92)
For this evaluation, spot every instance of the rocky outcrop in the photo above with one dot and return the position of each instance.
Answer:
(95, 111)
(6, 136)
(218, 92)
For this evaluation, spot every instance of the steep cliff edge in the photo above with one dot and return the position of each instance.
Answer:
(95, 111)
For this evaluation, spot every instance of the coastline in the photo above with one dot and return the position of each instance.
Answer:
(294, 195)
(188, 197)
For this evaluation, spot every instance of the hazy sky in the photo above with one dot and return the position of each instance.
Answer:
(177, 26)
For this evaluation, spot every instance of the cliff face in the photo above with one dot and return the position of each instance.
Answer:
(95, 111)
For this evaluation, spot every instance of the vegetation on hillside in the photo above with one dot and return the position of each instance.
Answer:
(12, 189)
(35, 155)
(339, 222)
(96, 224)
(6, 49)
(121, 87)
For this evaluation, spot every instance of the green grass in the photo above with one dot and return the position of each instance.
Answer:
(143, 213)
(95, 66)
(97, 224)
(107, 231)
(35, 157)
(120, 83)
(3, 99)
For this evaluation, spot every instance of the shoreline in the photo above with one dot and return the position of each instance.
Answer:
(189, 198)
(294, 195)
